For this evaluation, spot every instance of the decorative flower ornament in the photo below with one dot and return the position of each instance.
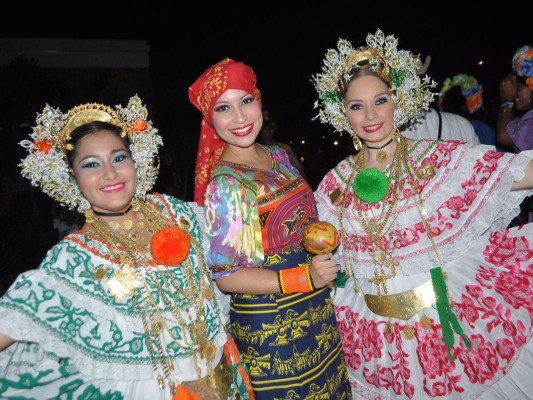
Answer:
(46, 164)
(399, 68)
(523, 65)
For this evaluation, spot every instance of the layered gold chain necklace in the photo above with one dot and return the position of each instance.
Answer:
(376, 227)
(184, 295)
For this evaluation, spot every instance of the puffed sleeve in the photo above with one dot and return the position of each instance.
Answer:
(232, 226)
(520, 131)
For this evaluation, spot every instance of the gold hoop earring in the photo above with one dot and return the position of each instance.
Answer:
(357, 143)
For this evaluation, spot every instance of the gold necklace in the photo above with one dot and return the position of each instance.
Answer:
(381, 156)
(376, 227)
(188, 308)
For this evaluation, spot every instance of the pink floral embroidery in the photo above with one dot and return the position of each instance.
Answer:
(347, 322)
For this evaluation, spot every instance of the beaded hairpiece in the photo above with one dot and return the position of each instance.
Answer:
(46, 164)
(399, 68)
(470, 89)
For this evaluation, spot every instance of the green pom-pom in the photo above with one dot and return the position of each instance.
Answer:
(371, 185)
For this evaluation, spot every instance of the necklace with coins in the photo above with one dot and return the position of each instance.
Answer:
(154, 289)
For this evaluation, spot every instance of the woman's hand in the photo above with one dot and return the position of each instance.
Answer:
(323, 270)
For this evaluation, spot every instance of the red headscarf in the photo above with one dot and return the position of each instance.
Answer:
(203, 93)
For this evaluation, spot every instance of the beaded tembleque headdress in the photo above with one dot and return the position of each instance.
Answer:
(471, 90)
(399, 68)
(46, 164)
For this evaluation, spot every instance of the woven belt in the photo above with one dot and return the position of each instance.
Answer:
(402, 305)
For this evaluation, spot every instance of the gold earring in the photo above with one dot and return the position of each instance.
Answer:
(357, 143)
(135, 205)
(89, 216)
(396, 134)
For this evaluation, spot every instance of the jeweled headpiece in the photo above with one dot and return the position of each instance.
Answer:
(46, 164)
(399, 68)
(470, 89)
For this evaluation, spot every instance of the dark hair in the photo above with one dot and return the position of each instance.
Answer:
(454, 102)
(90, 128)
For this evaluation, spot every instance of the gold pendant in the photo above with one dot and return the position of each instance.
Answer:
(127, 224)
(408, 332)
(425, 322)
(381, 156)
(207, 350)
(114, 225)
(100, 273)
(157, 325)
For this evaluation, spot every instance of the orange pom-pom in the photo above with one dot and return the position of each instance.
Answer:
(170, 246)
(140, 125)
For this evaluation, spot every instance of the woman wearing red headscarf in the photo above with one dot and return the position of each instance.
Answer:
(256, 206)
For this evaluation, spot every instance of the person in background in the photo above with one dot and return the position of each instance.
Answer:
(266, 138)
(123, 308)
(436, 300)
(463, 95)
(437, 124)
(515, 119)
(440, 125)
(257, 205)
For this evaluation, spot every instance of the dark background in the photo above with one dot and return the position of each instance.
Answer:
(284, 42)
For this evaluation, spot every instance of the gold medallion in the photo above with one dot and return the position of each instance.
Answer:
(114, 225)
(425, 322)
(127, 224)
(388, 328)
(157, 326)
(100, 273)
(381, 156)
(372, 227)
(408, 332)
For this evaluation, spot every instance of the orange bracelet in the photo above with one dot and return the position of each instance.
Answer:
(297, 279)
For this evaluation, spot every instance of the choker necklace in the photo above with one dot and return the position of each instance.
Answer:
(381, 156)
(113, 214)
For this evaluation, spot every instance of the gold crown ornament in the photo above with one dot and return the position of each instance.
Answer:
(399, 68)
(46, 163)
